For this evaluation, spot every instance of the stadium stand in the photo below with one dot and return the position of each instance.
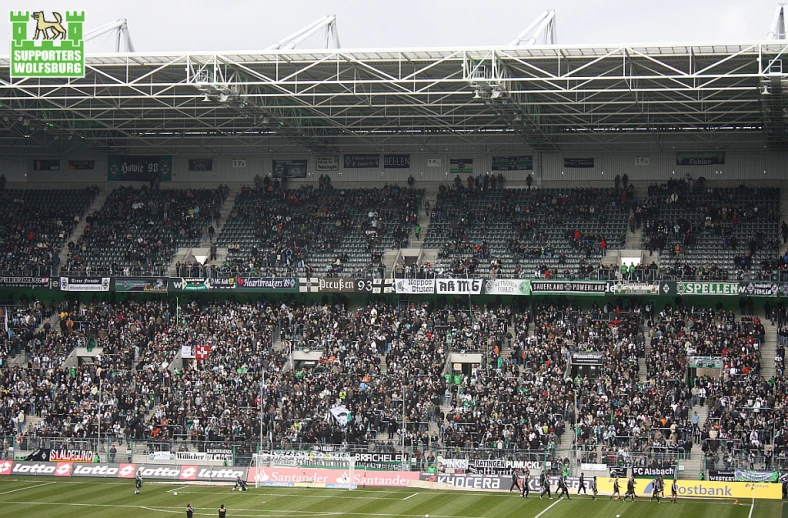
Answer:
(317, 232)
(526, 233)
(35, 224)
(711, 233)
(137, 231)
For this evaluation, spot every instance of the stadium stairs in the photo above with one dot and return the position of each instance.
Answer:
(98, 202)
(186, 254)
(768, 348)
(784, 214)
(694, 465)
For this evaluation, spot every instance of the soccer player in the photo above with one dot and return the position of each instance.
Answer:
(515, 480)
(544, 483)
(189, 511)
(616, 489)
(526, 479)
(674, 490)
(630, 488)
(138, 482)
(582, 486)
(222, 511)
(655, 489)
(240, 484)
(594, 489)
(563, 488)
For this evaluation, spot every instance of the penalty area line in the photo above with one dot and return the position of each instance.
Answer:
(411, 496)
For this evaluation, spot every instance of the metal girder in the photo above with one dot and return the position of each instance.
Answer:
(557, 97)
(777, 31)
(123, 41)
(328, 22)
(542, 28)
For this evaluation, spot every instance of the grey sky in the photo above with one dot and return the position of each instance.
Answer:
(217, 25)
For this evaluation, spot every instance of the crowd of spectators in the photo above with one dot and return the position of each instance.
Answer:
(138, 230)
(35, 224)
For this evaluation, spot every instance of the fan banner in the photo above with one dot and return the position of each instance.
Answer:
(327, 164)
(513, 163)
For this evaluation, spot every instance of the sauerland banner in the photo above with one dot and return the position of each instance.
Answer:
(568, 288)
(461, 165)
(579, 163)
(459, 286)
(289, 168)
(507, 287)
(415, 286)
(129, 168)
(513, 163)
(361, 161)
(327, 164)
(24, 282)
(141, 284)
(701, 158)
(82, 284)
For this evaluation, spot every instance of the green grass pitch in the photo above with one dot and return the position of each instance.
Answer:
(48, 497)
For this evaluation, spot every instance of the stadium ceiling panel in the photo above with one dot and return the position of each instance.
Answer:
(549, 98)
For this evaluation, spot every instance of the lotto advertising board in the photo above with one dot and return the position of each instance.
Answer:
(702, 488)
(103, 470)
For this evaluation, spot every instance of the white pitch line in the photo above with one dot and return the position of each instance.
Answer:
(288, 512)
(177, 488)
(296, 495)
(26, 488)
(549, 507)
(411, 496)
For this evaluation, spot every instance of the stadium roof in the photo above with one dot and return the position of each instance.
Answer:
(568, 98)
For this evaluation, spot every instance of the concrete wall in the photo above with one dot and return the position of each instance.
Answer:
(768, 165)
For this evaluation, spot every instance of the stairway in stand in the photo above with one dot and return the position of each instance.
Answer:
(694, 465)
(768, 348)
(95, 206)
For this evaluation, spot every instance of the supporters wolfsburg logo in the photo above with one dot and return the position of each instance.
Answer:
(57, 48)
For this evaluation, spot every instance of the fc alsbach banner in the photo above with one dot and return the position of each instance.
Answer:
(396, 161)
(513, 163)
(289, 168)
(701, 158)
(200, 164)
(132, 168)
(327, 163)
(579, 163)
(461, 165)
(84, 283)
(361, 161)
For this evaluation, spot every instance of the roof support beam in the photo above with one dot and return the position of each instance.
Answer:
(543, 26)
(328, 22)
(123, 37)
